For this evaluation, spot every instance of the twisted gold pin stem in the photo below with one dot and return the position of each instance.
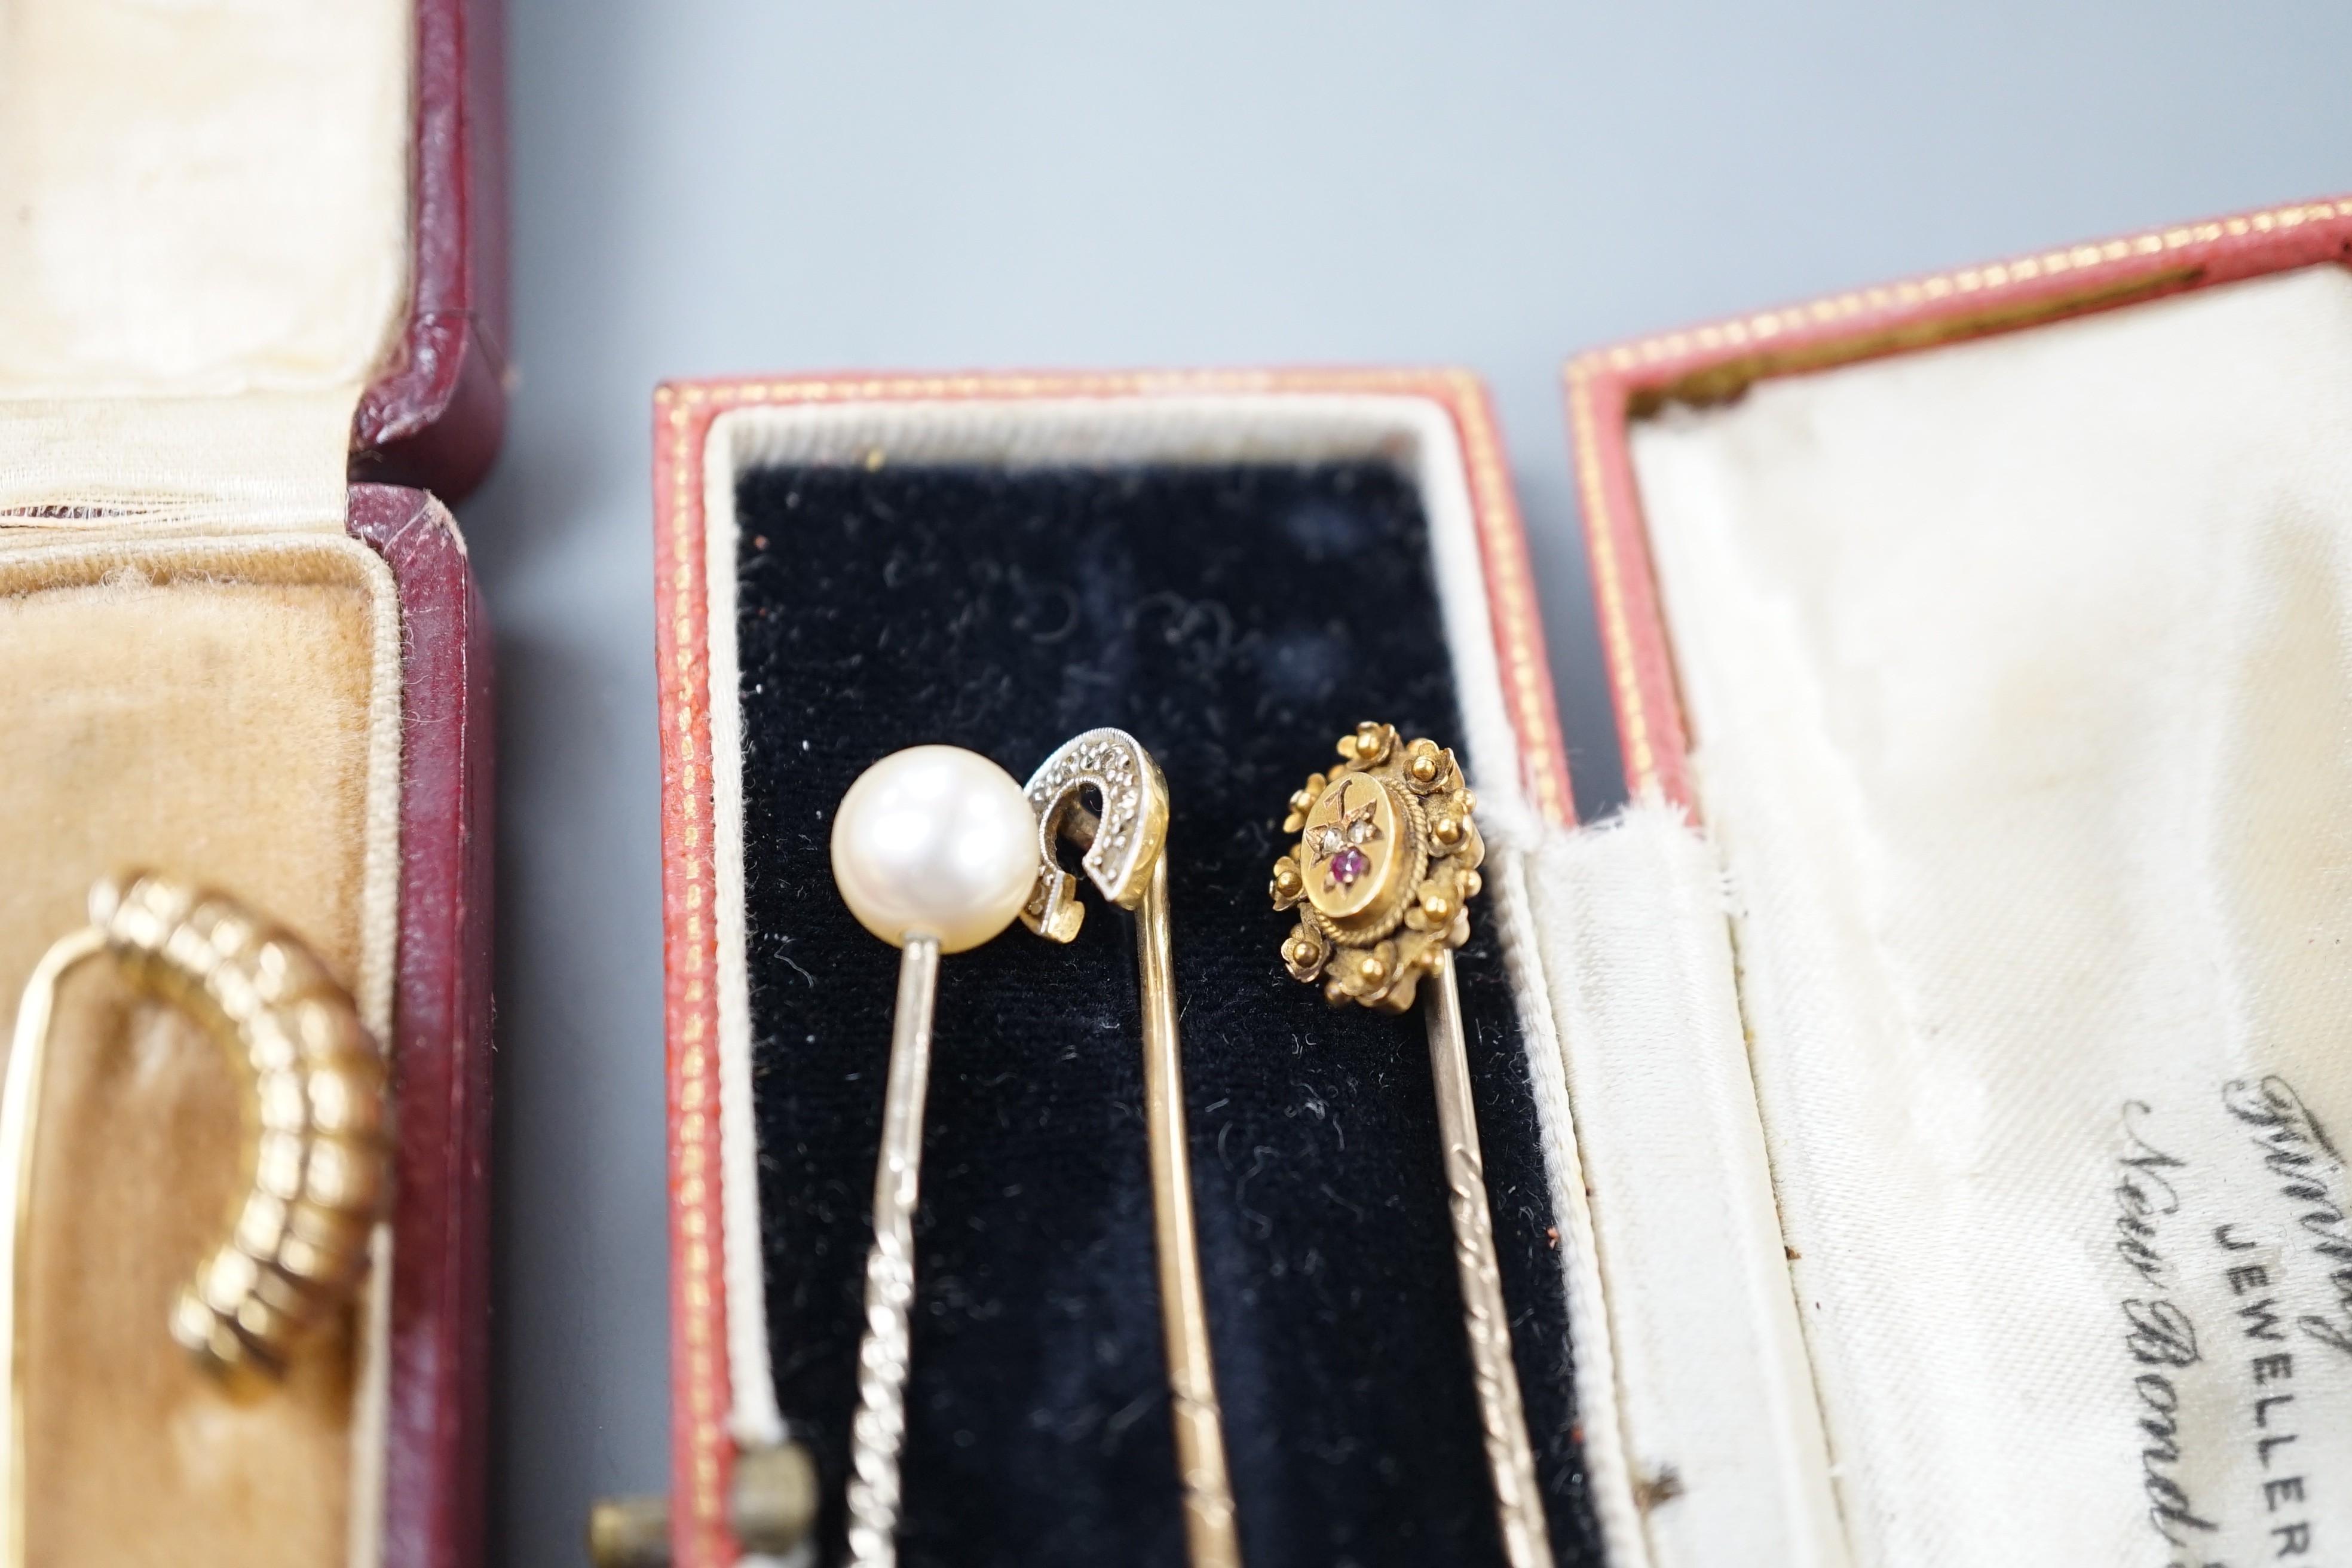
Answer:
(1510, 1457)
(878, 1431)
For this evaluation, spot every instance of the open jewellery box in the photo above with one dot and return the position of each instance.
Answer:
(251, 294)
(1237, 569)
(1924, 1103)
(1959, 1025)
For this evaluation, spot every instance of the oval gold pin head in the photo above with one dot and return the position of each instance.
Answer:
(1386, 863)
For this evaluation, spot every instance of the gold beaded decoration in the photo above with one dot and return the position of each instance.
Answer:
(1386, 864)
(319, 1140)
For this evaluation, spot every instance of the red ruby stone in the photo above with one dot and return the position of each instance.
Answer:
(1347, 865)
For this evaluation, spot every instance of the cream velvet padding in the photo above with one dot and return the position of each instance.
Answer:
(206, 249)
(2019, 674)
(228, 713)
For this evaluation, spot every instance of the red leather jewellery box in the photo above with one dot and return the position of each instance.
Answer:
(250, 343)
(1236, 567)
(1955, 1023)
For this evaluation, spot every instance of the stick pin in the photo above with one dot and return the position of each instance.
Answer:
(1386, 864)
(934, 850)
(1126, 860)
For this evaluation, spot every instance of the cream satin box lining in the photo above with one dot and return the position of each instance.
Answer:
(188, 315)
(2020, 678)
(193, 301)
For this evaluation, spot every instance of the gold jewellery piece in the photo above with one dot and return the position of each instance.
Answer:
(1386, 864)
(317, 1121)
(1126, 859)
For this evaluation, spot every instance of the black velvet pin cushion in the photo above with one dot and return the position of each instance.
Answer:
(1237, 620)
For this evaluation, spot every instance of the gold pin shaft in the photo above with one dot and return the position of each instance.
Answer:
(878, 1431)
(1519, 1506)
(1200, 1430)
(18, 1107)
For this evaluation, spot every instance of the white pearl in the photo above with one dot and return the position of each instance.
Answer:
(935, 841)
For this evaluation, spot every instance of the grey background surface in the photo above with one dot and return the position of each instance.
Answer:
(741, 186)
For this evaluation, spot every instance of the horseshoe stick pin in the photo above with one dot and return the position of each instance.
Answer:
(1126, 859)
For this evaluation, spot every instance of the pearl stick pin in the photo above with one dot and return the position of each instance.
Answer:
(934, 850)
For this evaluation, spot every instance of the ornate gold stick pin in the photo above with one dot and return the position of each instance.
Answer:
(934, 850)
(1386, 865)
(318, 1124)
(1126, 860)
